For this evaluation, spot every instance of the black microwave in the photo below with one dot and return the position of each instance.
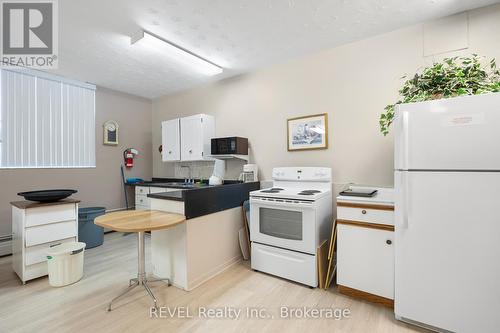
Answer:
(233, 145)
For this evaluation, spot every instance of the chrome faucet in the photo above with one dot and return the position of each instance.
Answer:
(190, 179)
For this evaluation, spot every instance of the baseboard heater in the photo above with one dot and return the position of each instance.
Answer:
(5, 245)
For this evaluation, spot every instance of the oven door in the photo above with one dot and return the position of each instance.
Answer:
(289, 225)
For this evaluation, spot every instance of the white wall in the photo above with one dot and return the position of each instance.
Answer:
(351, 83)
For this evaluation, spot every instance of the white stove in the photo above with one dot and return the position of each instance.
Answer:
(288, 222)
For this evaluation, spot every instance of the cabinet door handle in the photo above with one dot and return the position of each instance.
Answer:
(363, 212)
(389, 242)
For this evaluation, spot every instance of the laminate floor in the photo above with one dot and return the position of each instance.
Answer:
(81, 307)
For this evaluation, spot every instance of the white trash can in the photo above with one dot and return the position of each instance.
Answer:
(65, 263)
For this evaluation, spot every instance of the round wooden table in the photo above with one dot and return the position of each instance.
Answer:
(139, 221)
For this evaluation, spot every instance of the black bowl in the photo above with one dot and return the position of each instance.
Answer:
(47, 195)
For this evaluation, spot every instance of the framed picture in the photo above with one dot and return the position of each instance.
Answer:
(111, 133)
(309, 132)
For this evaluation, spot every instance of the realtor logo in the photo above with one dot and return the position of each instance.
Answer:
(29, 33)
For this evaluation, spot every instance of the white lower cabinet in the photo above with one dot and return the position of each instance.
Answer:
(37, 227)
(365, 259)
(365, 247)
(142, 201)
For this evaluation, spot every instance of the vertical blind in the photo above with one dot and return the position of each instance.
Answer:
(45, 121)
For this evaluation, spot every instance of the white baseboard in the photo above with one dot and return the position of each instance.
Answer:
(116, 209)
(5, 248)
(212, 273)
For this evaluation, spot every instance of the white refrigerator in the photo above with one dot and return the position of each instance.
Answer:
(447, 207)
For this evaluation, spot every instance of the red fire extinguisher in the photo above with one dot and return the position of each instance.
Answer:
(128, 156)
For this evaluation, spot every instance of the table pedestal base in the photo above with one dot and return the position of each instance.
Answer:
(141, 274)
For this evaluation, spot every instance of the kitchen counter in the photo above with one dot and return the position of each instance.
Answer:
(384, 196)
(173, 195)
(208, 242)
(211, 199)
(177, 183)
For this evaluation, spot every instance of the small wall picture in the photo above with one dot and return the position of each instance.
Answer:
(308, 132)
(111, 133)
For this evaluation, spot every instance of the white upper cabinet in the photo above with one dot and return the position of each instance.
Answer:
(188, 138)
(171, 142)
(191, 138)
(196, 132)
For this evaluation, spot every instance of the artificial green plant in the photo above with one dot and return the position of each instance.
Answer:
(449, 78)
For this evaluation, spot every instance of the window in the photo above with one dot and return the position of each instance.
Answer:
(45, 121)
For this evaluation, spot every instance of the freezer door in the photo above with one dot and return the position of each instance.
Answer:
(447, 242)
(460, 133)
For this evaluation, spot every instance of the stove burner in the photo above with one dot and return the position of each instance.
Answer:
(311, 191)
(270, 191)
(305, 193)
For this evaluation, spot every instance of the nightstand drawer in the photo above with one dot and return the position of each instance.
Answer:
(369, 213)
(50, 232)
(50, 214)
(38, 253)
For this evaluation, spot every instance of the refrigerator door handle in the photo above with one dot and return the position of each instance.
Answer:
(402, 202)
(406, 186)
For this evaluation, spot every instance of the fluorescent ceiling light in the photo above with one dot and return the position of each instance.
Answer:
(175, 53)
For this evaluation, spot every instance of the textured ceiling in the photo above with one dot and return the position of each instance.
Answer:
(239, 35)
